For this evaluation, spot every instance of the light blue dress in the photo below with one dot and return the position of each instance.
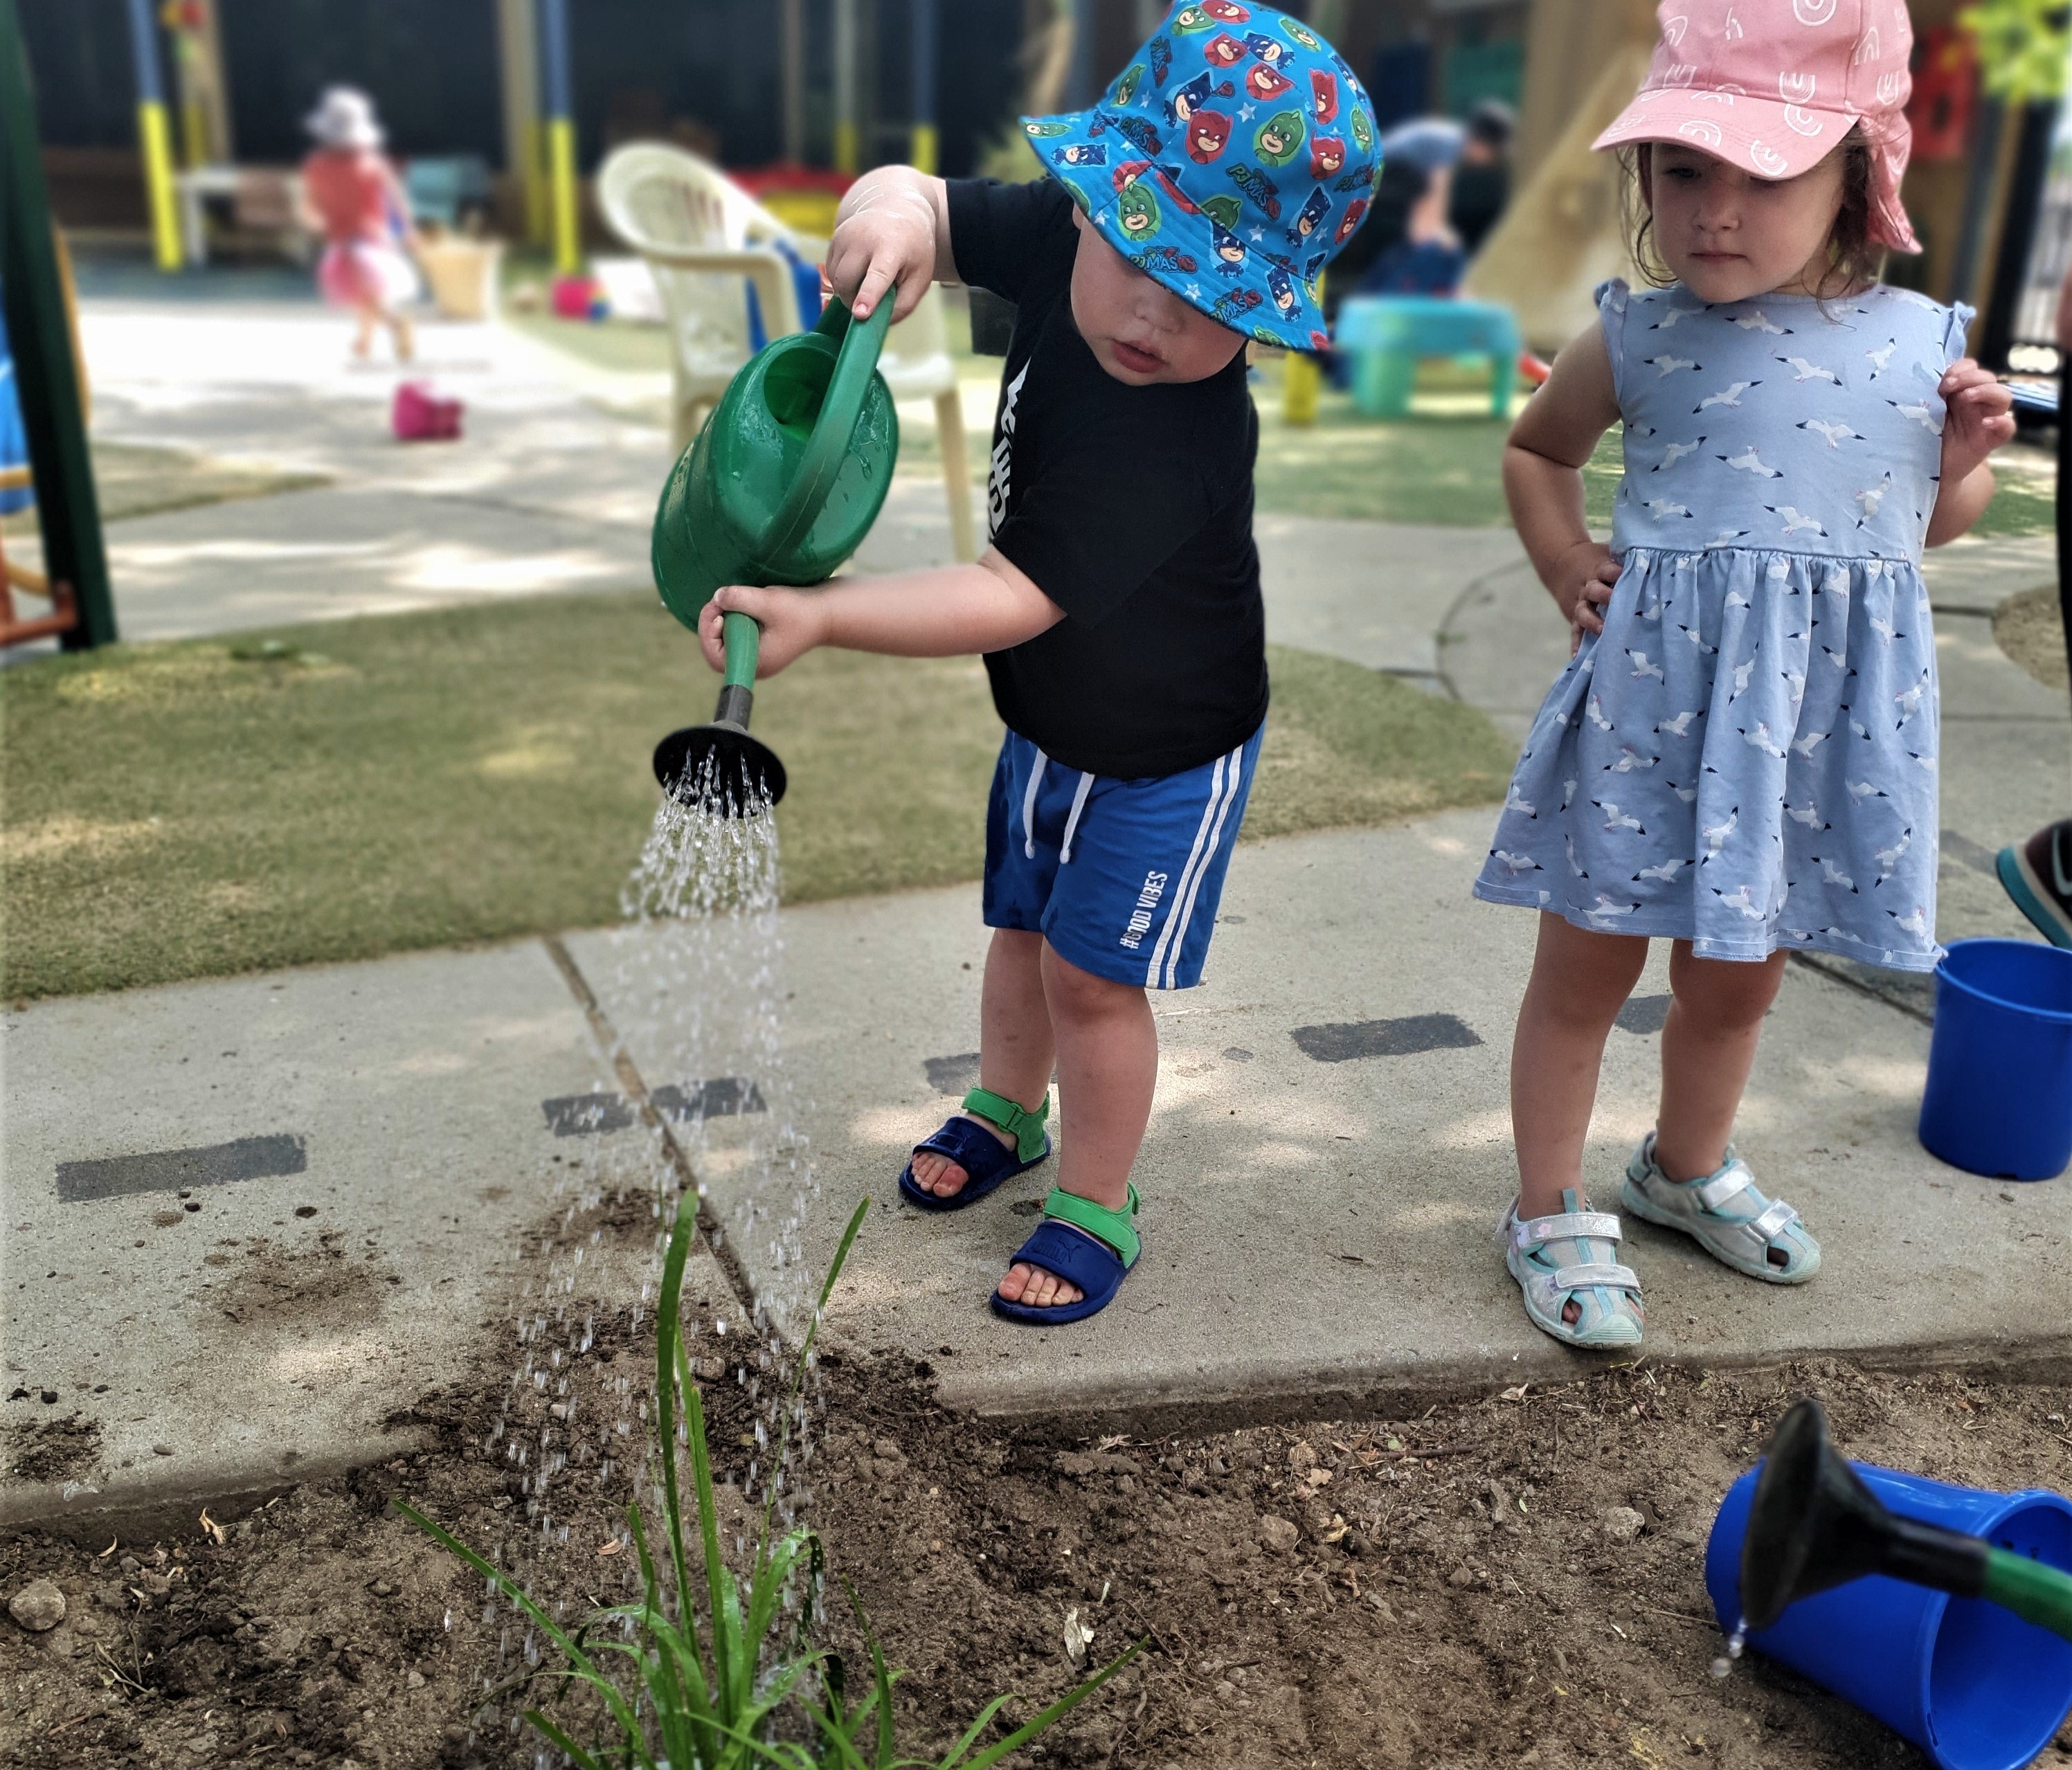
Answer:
(1745, 757)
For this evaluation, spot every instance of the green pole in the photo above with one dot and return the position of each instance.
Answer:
(46, 377)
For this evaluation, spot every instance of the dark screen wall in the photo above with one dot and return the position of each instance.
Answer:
(431, 69)
(717, 63)
(432, 66)
(79, 58)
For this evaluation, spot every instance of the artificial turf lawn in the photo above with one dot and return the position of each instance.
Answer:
(206, 806)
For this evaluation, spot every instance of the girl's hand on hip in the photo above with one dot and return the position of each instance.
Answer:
(1978, 418)
(790, 620)
(1582, 581)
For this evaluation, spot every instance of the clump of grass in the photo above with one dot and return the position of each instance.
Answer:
(714, 1698)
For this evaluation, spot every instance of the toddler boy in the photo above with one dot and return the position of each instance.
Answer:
(1118, 604)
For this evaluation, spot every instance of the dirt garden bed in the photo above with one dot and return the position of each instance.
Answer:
(1510, 1579)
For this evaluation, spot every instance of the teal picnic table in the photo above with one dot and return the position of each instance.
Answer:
(1387, 336)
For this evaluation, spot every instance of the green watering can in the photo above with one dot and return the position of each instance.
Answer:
(780, 487)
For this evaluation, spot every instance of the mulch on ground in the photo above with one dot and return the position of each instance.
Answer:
(2029, 627)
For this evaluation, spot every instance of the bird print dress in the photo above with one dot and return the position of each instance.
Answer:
(1746, 757)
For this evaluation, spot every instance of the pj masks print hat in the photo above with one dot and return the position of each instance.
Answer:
(1232, 159)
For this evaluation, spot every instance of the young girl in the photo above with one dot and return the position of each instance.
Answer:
(351, 195)
(1741, 757)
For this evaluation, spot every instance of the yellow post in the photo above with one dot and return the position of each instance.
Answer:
(561, 155)
(561, 134)
(1301, 380)
(846, 58)
(159, 183)
(539, 199)
(153, 138)
(924, 142)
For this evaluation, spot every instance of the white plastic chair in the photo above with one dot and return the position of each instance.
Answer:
(706, 240)
(917, 365)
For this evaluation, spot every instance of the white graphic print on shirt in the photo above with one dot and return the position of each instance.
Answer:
(1003, 459)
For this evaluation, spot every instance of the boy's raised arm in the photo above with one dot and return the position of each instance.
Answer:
(893, 228)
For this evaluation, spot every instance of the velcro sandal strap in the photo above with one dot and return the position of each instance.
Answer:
(1584, 1278)
(1026, 1128)
(1774, 1221)
(1568, 1225)
(1113, 1229)
(1730, 1182)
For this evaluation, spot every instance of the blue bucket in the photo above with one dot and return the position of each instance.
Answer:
(1972, 1685)
(1999, 1099)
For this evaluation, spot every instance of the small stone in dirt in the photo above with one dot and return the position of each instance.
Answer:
(1277, 1534)
(1301, 1457)
(1461, 1577)
(1622, 1523)
(38, 1606)
(889, 1449)
(381, 1588)
(415, 1680)
(161, 1450)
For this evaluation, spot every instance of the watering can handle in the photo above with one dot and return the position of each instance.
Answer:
(828, 448)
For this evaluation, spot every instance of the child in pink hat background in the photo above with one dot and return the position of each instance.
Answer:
(1741, 756)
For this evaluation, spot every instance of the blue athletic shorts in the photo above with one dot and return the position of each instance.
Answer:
(1121, 878)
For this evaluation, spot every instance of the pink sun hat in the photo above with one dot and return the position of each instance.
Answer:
(1773, 85)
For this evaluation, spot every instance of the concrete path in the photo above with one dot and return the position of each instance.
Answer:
(249, 1223)
(1331, 1148)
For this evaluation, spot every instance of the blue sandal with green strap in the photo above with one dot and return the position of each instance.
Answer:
(988, 1163)
(1084, 1244)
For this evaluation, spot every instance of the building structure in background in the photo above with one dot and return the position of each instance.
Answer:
(750, 83)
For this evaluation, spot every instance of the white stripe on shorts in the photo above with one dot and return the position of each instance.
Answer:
(1234, 784)
(1028, 807)
(1222, 788)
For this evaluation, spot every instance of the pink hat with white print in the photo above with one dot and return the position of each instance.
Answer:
(1773, 85)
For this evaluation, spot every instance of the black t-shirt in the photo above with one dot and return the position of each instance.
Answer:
(1130, 507)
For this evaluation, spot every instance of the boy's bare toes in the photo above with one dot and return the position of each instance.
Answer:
(1037, 1288)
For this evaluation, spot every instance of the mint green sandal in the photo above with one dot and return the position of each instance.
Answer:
(1725, 1213)
(1568, 1256)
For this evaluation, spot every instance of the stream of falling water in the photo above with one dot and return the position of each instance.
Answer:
(695, 992)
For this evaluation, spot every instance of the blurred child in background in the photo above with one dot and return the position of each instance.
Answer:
(351, 194)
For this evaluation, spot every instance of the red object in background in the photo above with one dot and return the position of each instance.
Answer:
(419, 416)
(1533, 369)
(784, 177)
(573, 298)
(1945, 92)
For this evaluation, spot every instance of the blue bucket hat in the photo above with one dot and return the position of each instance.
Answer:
(1231, 161)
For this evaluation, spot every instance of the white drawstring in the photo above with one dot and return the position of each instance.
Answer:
(1028, 807)
(1072, 823)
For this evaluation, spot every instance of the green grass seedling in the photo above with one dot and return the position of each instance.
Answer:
(719, 1697)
